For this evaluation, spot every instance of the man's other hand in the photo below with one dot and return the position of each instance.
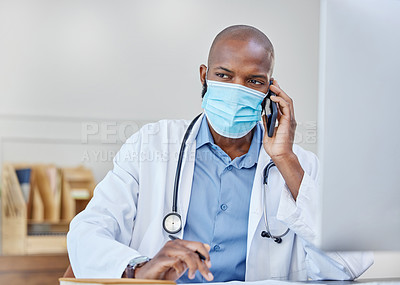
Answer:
(174, 259)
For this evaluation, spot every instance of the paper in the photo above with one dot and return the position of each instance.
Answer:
(261, 282)
(278, 282)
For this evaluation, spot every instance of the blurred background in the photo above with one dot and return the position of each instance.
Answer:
(79, 77)
(95, 71)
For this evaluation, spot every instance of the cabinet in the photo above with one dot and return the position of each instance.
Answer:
(33, 269)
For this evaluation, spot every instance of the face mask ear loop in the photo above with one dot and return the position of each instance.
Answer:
(206, 75)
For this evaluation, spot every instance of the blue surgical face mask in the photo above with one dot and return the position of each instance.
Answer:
(232, 109)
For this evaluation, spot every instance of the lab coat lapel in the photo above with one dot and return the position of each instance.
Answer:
(185, 186)
(256, 210)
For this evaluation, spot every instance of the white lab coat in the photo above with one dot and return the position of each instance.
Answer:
(124, 218)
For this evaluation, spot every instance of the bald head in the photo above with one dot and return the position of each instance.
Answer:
(241, 55)
(242, 33)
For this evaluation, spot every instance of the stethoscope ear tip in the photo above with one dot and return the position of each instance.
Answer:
(264, 234)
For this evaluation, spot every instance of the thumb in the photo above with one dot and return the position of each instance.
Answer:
(207, 246)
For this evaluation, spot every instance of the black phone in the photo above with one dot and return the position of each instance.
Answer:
(270, 112)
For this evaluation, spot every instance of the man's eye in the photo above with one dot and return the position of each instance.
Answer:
(221, 75)
(253, 81)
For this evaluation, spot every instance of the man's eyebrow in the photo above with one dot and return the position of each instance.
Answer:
(226, 69)
(258, 76)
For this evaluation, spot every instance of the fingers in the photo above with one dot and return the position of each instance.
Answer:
(185, 251)
(161, 267)
(179, 267)
(174, 263)
(284, 106)
(202, 248)
(175, 258)
(280, 93)
(193, 263)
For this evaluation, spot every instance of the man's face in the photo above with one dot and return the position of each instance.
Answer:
(240, 62)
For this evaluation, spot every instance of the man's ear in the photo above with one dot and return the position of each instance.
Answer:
(203, 72)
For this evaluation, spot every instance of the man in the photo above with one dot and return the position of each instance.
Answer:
(220, 196)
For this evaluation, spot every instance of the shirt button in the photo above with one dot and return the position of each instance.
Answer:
(217, 247)
(224, 207)
(229, 167)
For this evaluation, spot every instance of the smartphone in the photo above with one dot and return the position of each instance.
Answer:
(270, 112)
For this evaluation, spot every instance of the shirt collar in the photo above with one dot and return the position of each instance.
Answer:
(251, 157)
(204, 135)
(247, 160)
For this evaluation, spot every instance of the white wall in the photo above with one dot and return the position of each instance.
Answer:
(79, 61)
(84, 58)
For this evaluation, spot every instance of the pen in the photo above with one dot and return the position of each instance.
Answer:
(202, 257)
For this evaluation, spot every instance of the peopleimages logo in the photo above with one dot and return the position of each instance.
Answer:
(112, 132)
(107, 132)
(105, 138)
(306, 133)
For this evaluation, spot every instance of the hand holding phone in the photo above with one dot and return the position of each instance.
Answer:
(270, 112)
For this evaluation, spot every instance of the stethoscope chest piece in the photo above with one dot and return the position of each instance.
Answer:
(172, 223)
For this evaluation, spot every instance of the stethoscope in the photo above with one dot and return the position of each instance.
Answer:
(267, 233)
(172, 222)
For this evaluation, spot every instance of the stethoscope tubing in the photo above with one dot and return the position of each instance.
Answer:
(179, 165)
(267, 233)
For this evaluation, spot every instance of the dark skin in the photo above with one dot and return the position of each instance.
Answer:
(242, 62)
(233, 61)
(246, 63)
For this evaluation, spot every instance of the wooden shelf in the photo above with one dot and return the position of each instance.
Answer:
(39, 224)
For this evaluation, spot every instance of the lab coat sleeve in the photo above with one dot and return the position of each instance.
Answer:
(99, 237)
(300, 216)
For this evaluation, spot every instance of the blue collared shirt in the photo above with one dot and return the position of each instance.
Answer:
(219, 205)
